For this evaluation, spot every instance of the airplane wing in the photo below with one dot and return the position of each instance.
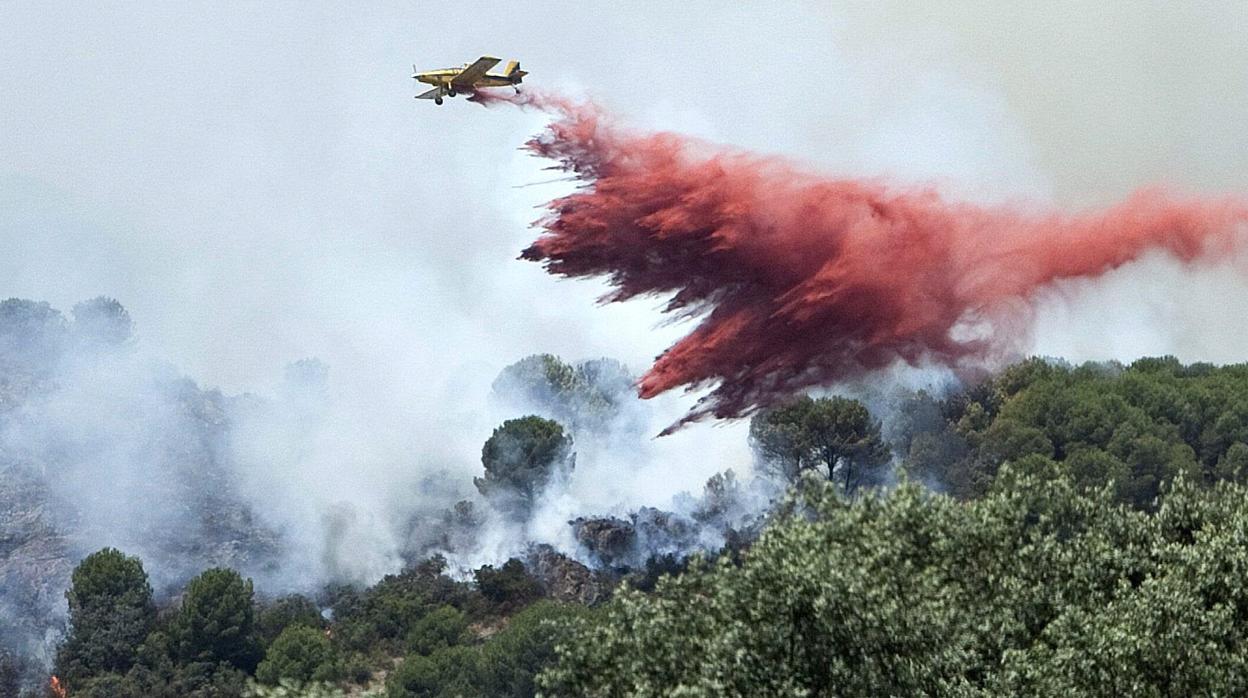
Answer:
(431, 94)
(470, 75)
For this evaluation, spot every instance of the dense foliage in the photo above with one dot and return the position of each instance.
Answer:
(1037, 588)
(219, 641)
(1137, 426)
(206, 648)
(503, 667)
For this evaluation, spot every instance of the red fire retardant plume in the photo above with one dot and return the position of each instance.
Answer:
(800, 280)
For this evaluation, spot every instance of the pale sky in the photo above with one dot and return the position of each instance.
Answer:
(256, 184)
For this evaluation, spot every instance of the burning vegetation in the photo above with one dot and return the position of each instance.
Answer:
(1044, 483)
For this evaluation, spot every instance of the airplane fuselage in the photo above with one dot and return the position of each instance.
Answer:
(446, 76)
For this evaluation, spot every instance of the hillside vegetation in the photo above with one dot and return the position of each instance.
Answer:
(1055, 530)
(1052, 530)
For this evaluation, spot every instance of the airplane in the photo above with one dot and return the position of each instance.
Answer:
(468, 78)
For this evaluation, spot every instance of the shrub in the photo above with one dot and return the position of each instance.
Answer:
(509, 586)
(300, 654)
(440, 628)
(447, 673)
(286, 612)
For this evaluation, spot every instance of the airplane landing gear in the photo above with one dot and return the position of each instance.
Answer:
(437, 101)
(451, 92)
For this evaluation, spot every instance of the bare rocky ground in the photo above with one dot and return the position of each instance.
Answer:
(35, 565)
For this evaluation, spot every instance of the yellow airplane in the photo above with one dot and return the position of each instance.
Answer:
(468, 78)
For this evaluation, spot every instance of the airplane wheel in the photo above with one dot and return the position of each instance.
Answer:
(437, 101)
(451, 93)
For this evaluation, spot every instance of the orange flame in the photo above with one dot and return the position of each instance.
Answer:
(57, 689)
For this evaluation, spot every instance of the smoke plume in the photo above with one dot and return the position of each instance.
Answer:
(800, 280)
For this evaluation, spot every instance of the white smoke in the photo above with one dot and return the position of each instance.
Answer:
(256, 185)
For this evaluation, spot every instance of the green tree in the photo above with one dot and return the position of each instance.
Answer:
(216, 622)
(509, 586)
(1093, 468)
(286, 612)
(110, 613)
(1233, 465)
(301, 654)
(442, 627)
(1010, 439)
(835, 436)
(1152, 461)
(512, 658)
(448, 673)
(936, 457)
(521, 458)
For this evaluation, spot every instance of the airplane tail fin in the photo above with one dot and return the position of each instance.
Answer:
(513, 71)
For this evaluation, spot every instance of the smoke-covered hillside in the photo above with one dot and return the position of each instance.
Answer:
(975, 539)
(103, 446)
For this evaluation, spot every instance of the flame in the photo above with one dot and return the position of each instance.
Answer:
(54, 684)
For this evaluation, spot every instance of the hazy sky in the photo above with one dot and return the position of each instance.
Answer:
(256, 184)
